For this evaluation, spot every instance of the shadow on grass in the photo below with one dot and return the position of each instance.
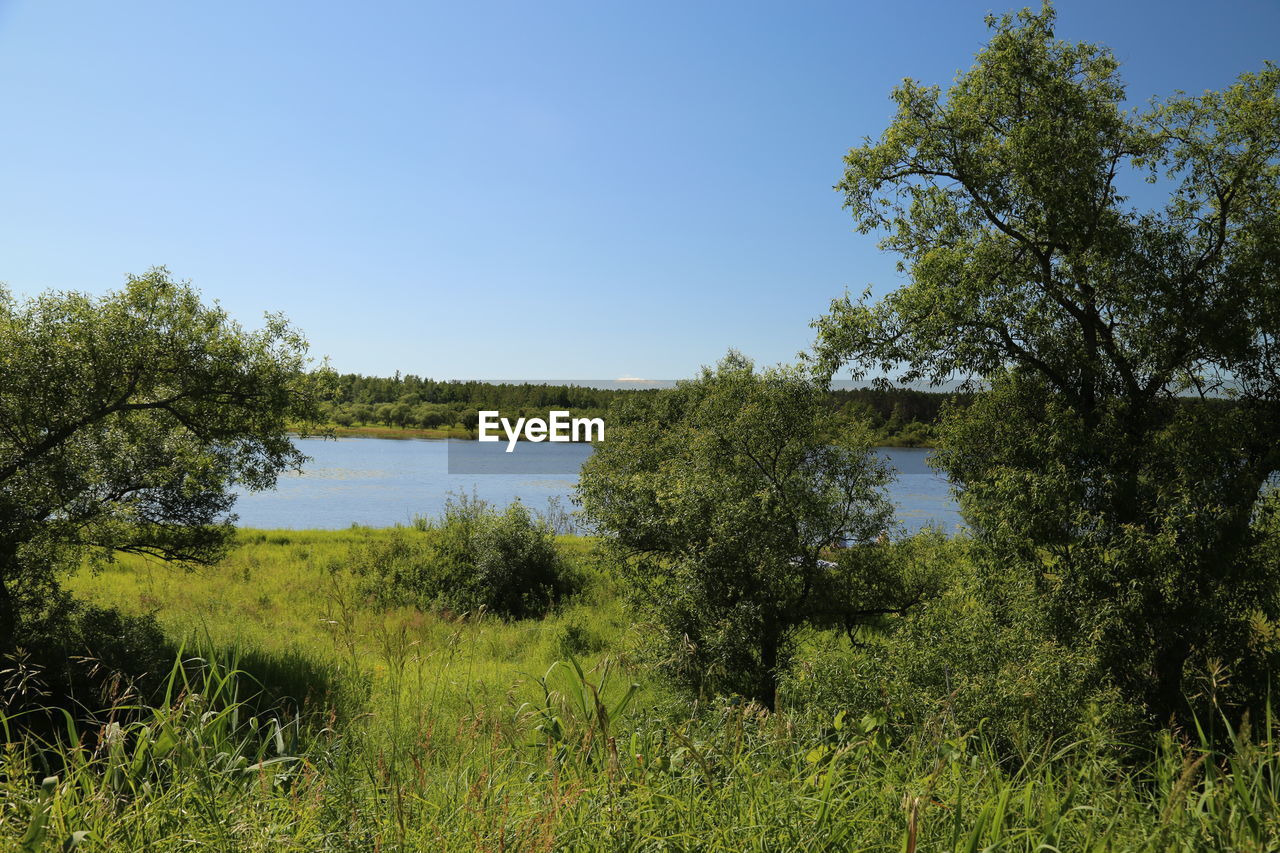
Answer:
(96, 665)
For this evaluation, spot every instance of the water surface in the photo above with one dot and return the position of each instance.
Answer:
(380, 482)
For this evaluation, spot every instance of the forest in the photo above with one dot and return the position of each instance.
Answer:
(896, 417)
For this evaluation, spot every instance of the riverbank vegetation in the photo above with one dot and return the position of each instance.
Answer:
(405, 729)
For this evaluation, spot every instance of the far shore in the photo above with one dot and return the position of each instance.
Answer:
(440, 434)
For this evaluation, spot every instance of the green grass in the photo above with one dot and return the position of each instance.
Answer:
(447, 733)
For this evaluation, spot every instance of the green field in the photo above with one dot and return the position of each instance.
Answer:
(430, 731)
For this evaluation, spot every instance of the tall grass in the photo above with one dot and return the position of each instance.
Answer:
(476, 734)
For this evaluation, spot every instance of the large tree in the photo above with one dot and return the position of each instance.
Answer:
(1129, 352)
(126, 424)
(719, 499)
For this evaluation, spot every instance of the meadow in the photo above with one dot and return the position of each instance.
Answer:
(413, 730)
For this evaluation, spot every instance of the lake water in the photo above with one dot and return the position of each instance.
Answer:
(380, 482)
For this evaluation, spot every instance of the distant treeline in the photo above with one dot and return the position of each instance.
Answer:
(899, 417)
(414, 402)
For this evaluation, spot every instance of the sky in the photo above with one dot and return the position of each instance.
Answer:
(515, 190)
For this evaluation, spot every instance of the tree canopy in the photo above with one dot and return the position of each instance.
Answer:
(1129, 352)
(126, 424)
(720, 499)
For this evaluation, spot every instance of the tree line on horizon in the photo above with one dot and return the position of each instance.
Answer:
(904, 417)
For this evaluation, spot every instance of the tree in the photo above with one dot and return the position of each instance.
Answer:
(719, 499)
(1132, 406)
(126, 424)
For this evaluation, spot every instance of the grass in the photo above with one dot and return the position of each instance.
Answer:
(446, 733)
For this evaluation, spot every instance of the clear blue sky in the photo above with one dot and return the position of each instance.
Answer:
(540, 190)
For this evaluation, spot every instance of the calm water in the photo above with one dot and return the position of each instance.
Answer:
(380, 482)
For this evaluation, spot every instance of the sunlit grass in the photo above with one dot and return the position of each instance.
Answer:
(445, 732)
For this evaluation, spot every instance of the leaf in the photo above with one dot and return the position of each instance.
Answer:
(33, 839)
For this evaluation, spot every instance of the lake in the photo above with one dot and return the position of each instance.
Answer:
(380, 482)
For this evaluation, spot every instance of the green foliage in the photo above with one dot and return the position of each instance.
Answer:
(576, 713)
(474, 558)
(92, 657)
(458, 746)
(128, 421)
(198, 748)
(976, 652)
(719, 499)
(574, 637)
(1130, 411)
(577, 766)
(896, 417)
(81, 658)
(1141, 556)
(414, 402)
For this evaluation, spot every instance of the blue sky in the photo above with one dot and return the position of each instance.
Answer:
(535, 190)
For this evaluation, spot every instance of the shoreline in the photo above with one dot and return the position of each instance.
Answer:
(407, 433)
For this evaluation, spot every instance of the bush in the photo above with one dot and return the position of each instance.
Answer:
(397, 570)
(81, 657)
(474, 557)
(518, 571)
(977, 654)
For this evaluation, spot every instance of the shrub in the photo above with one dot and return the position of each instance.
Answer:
(976, 654)
(518, 571)
(78, 658)
(473, 557)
